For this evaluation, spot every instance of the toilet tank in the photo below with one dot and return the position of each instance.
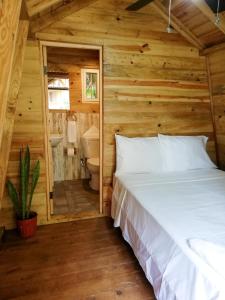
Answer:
(90, 141)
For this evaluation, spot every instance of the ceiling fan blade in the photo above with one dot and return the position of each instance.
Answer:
(213, 5)
(138, 5)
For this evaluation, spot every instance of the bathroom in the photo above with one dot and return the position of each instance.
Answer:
(73, 80)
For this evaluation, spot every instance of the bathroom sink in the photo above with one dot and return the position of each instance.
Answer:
(55, 139)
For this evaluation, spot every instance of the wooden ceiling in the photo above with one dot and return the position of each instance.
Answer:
(191, 18)
(200, 20)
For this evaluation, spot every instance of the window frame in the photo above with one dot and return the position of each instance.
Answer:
(84, 86)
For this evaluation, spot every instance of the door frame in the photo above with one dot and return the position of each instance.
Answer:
(43, 57)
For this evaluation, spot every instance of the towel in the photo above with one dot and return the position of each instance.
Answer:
(72, 132)
(213, 254)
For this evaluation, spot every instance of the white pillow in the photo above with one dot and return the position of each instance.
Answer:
(137, 155)
(181, 153)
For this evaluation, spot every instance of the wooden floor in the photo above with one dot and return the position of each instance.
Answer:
(83, 260)
(74, 196)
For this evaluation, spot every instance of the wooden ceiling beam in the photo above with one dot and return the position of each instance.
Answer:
(213, 49)
(177, 25)
(35, 7)
(205, 9)
(58, 14)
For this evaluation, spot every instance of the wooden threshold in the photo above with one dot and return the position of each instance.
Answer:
(60, 218)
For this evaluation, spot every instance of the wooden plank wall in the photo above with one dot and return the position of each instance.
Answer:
(28, 129)
(15, 81)
(217, 75)
(153, 81)
(10, 12)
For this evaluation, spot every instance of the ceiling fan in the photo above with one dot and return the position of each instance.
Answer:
(214, 3)
(138, 5)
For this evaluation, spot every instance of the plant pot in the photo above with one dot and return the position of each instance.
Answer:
(27, 228)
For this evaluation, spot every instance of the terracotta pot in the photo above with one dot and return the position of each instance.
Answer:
(27, 228)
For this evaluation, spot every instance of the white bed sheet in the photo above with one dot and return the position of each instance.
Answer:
(158, 214)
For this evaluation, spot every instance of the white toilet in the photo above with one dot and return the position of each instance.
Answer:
(90, 141)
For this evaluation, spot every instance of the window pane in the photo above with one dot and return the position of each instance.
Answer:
(58, 83)
(91, 85)
(58, 93)
(58, 99)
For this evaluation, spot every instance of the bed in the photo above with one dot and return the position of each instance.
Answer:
(175, 224)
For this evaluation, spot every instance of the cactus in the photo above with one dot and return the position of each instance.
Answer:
(22, 201)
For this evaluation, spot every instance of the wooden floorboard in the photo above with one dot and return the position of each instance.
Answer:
(82, 260)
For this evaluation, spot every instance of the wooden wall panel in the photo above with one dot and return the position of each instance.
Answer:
(28, 130)
(217, 76)
(9, 20)
(15, 82)
(153, 81)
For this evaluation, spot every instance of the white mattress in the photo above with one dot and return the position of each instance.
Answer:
(159, 214)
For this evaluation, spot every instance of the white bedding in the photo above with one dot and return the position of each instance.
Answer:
(159, 214)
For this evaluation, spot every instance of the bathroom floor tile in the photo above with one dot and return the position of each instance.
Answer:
(74, 196)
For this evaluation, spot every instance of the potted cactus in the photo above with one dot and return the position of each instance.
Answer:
(25, 218)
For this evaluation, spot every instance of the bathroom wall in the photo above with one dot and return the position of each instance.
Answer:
(72, 61)
(66, 167)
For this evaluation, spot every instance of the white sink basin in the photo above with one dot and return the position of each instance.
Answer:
(55, 139)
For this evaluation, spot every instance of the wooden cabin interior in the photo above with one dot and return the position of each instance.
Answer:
(75, 73)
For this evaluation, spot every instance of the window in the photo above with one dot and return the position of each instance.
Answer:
(58, 93)
(90, 85)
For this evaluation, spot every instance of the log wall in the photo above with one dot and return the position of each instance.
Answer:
(217, 75)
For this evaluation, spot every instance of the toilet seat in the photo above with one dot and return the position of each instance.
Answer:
(94, 161)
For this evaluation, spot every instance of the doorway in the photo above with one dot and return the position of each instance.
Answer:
(73, 119)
